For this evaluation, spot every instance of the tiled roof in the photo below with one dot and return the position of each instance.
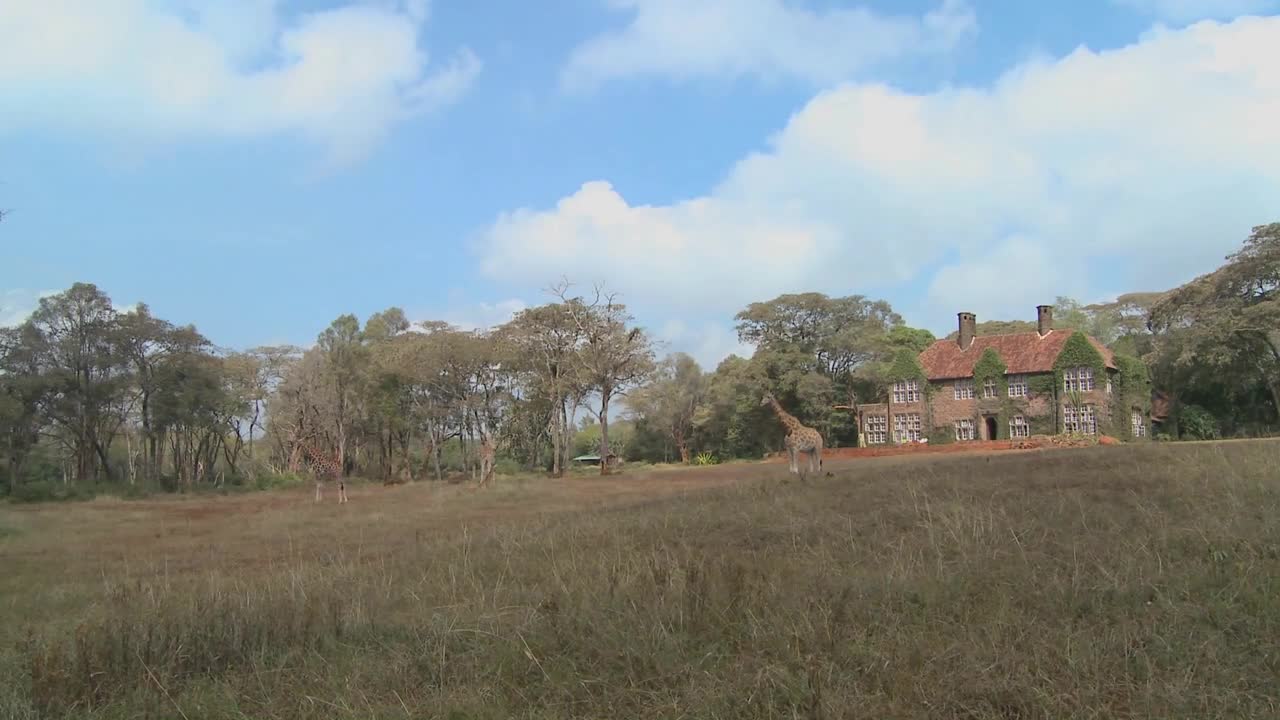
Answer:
(1021, 353)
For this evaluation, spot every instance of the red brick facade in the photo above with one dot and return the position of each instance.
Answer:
(974, 413)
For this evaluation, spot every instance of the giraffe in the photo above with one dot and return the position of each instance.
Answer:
(800, 439)
(324, 467)
(487, 452)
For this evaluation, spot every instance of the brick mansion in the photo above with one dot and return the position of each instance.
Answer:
(998, 387)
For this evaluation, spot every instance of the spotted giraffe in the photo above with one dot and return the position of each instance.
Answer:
(487, 452)
(324, 467)
(800, 438)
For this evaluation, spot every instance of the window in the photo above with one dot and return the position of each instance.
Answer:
(906, 391)
(877, 429)
(1079, 420)
(906, 427)
(989, 388)
(1108, 385)
(1017, 386)
(964, 429)
(1138, 424)
(964, 389)
(1078, 379)
(1018, 427)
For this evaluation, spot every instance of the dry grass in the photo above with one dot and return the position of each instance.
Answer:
(1100, 583)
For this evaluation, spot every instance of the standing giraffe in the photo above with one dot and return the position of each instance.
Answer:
(324, 467)
(487, 452)
(800, 439)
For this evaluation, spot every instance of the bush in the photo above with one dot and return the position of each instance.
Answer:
(48, 491)
(1196, 423)
(277, 480)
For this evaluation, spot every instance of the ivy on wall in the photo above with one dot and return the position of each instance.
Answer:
(989, 367)
(1130, 390)
(1077, 352)
(906, 366)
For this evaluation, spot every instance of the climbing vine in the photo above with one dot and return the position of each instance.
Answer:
(1077, 351)
(905, 366)
(989, 367)
(1130, 390)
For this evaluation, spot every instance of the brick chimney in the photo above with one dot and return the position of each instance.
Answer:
(968, 328)
(1044, 319)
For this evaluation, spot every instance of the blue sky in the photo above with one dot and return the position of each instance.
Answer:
(259, 167)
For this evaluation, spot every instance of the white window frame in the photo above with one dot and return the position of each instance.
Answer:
(1079, 420)
(1078, 379)
(990, 388)
(906, 391)
(964, 429)
(1018, 427)
(906, 428)
(1138, 424)
(963, 389)
(1017, 385)
(876, 429)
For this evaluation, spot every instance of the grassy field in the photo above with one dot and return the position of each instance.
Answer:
(1111, 582)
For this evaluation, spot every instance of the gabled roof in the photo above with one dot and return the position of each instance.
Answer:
(1020, 352)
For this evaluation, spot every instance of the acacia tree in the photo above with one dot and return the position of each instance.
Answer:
(76, 345)
(22, 392)
(343, 353)
(671, 401)
(1225, 326)
(542, 344)
(613, 355)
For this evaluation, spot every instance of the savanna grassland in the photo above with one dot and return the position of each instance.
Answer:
(1110, 582)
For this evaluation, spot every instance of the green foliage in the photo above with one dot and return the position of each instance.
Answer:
(1197, 423)
(905, 366)
(1076, 352)
(1045, 384)
(277, 481)
(705, 458)
(990, 366)
(915, 340)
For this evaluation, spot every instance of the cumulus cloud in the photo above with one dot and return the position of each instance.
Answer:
(1183, 11)
(1145, 163)
(172, 69)
(765, 38)
(18, 304)
(478, 316)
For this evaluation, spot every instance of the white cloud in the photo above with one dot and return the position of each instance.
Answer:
(480, 316)
(174, 69)
(766, 38)
(708, 343)
(17, 305)
(1146, 163)
(1184, 11)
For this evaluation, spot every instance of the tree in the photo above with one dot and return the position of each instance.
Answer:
(614, 356)
(1224, 327)
(77, 350)
(543, 343)
(340, 346)
(22, 394)
(671, 400)
(820, 351)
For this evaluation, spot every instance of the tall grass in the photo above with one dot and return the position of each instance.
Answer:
(1099, 583)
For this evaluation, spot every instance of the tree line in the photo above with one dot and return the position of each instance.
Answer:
(93, 394)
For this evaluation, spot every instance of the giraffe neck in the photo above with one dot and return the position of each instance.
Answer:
(787, 418)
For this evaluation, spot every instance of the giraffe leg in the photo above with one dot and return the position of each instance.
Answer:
(317, 491)
(342, 492)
